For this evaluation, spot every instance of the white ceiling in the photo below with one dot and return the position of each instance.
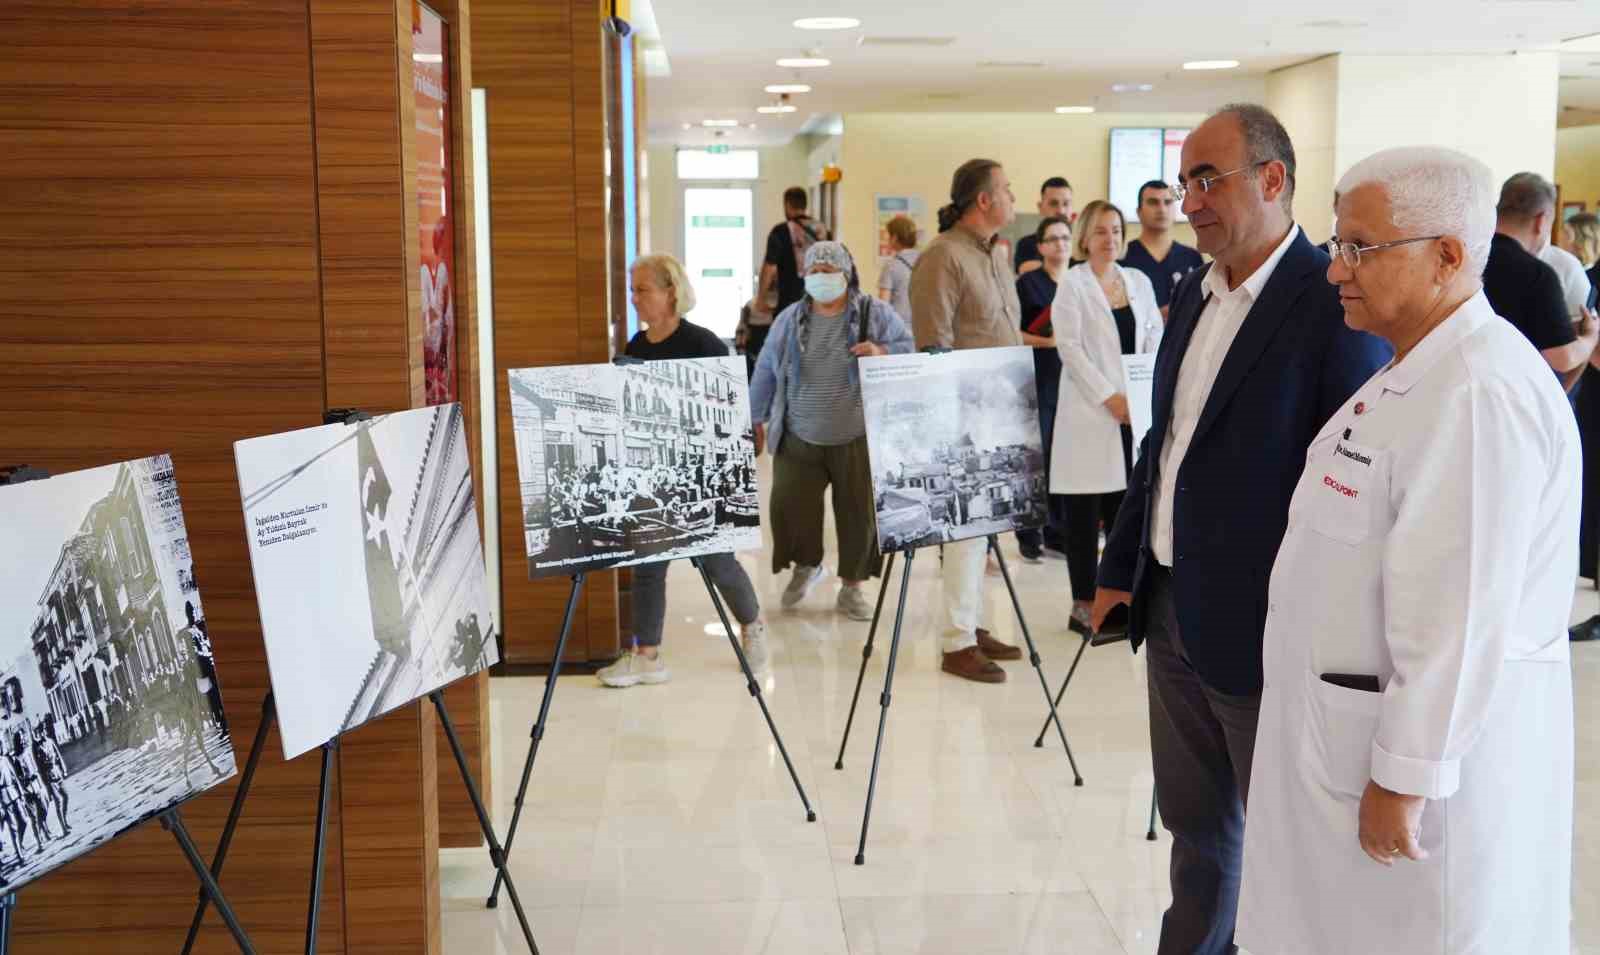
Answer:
(1034, 55)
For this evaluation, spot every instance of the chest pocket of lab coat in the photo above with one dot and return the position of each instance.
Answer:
(1349, 484)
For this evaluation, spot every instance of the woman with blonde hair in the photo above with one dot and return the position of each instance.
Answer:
(1582, 238)
(1101, 312)
(662, 296)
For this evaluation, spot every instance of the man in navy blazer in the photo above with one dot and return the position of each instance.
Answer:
(1255, 359)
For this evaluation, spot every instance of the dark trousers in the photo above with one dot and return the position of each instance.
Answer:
(1587, 402)
(1202, 742)
(1031, 541)
(1084, 513)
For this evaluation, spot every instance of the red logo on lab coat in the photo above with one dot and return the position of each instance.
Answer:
(1349, 492)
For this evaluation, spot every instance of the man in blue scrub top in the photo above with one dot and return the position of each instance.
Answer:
(1155, 252)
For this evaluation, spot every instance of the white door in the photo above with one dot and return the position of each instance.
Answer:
(717, 245)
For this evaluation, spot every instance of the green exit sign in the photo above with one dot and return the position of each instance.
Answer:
(717, 222)
(716, 150)
(716, 273)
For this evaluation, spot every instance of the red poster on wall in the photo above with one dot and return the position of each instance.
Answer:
(430, 37)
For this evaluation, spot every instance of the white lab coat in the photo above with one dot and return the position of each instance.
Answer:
(1432, 543)
(1087, 443)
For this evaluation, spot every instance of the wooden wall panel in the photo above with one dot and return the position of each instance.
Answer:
(366, 189)
(212, 207)
(540, 63)
(162, 295)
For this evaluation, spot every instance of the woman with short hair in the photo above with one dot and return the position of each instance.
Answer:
(662, 295)
(894, 282)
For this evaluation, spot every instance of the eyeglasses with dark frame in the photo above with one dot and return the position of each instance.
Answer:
(1207, 183)
(1350, 254)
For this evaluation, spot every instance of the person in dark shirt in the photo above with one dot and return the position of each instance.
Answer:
(1587, 404)
(662, 295)
(1163, 260)
(1525, 291)
(786, 248)
(1036, 292)
(1055, 199)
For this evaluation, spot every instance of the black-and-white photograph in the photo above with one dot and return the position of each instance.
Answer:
(110, 710)
(627, 464)
(368, 563)
(954, 443)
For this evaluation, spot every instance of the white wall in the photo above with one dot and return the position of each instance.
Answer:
(1305, 99)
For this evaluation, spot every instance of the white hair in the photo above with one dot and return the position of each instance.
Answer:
(1433, 191)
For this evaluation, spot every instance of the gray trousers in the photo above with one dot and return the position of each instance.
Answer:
(650, 594)
(1202, 742)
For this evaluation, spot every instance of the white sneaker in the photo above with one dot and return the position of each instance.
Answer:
(854, 604)
(634, 668)
(755, 646)
(800, 583)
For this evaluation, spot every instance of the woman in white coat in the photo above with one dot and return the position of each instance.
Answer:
(1412, 785)
(1102, 311)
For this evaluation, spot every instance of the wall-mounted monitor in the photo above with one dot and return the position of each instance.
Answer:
(1138, 155)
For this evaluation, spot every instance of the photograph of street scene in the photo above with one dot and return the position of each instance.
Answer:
(954, 443)
(110, 710)
(368, 564)
(626, 464)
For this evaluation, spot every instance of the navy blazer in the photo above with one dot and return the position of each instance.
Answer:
(1293, 364)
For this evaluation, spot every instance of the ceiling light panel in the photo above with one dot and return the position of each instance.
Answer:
(777, 88)
(804, 62)
(1211, 64)
(827, 23)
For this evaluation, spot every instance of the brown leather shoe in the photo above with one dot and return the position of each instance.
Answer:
(971, 664)
(994, 649)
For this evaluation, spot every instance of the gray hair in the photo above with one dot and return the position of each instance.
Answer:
(669, 273)
(1265, 140)
(1524, 196)
(1433, 191)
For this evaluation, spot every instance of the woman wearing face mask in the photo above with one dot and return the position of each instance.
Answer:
(662, 295)
(806, 395)
(1101, 312)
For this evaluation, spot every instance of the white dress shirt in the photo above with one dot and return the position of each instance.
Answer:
(1574, 280)
(1219, 324)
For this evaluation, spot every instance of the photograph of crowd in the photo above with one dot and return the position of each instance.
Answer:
(368, 565)
(625, 464)
(110, 710)
(955, 445)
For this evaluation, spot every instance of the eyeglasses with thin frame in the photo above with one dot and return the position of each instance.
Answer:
(1350, 254)
(1207, 183)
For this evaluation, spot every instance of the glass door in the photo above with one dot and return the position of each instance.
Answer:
(718, 243)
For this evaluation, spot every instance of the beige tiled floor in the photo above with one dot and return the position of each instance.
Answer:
(661, 819)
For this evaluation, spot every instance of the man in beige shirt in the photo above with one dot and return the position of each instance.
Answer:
(963, 295)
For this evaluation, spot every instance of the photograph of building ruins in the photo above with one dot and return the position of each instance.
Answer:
(626, 464)
(110, 709)
(955, 445)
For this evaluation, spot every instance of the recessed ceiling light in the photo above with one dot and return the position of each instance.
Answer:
(1211, 64)
(688, 126)
(1074, 109)
(785, 108)
(788, 88)
(1131, 87)
(827, 23)
(804, 62)
(714, 123)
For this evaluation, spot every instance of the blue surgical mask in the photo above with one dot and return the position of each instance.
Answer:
(826, 286)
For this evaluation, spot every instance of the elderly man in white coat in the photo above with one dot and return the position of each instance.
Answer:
(1413, 778)
(1101, 312)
